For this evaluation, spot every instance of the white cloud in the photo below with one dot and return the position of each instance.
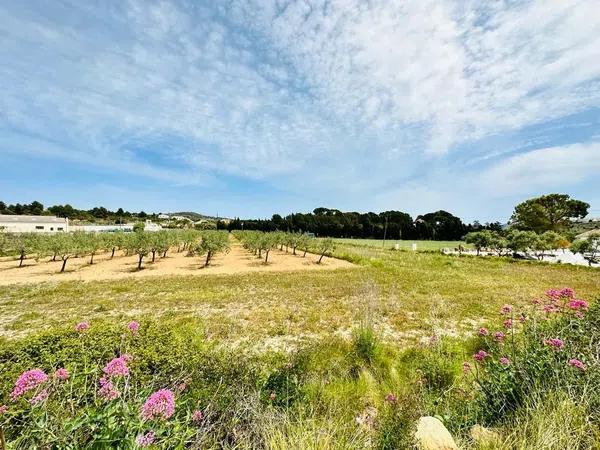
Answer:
(335, 90)
(544, 169)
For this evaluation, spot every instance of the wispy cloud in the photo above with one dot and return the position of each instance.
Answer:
(382, 93)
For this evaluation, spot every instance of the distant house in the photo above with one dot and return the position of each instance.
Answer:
(164, 216)
(102, 228)
(181, 218)
(151, 226)
(33, 224)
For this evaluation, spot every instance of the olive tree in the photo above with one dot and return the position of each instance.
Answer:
(212, 242)
(326, 247)
(589, 248)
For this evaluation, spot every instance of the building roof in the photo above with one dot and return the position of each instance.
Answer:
(31, 219)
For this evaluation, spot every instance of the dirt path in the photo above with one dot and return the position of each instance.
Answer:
(236, 261)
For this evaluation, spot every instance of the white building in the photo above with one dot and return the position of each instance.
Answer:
(33, 224)
(163, 216)
(151, 226)
(102, 228)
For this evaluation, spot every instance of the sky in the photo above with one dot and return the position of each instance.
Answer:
(253, 107)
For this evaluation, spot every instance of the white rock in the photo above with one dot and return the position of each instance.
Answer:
(431, 434)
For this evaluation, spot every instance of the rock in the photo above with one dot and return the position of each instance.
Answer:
(483, 435)
(431, 434)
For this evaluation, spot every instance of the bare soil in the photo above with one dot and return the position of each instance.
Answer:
(238, 260)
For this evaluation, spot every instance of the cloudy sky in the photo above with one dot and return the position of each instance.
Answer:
(251, 107)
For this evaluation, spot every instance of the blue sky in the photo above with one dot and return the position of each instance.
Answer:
(253, 107)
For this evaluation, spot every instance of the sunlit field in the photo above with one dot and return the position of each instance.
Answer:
(342, 358)
(404, 244)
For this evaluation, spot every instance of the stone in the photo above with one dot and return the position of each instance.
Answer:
(431, 434)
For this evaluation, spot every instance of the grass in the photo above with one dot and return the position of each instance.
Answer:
(330, 344)
(409, 294)
(403, 244)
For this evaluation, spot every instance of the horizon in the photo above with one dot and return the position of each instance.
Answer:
(253, 109)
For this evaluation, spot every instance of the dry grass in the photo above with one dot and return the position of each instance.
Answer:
(418, 294)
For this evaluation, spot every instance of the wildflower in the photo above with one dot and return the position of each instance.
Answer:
(117, 366)
(553, 294)
(577, 363)
(197, 417)
(391, 398)
(550, 308)
(39, 397)
(483, 331)
(160, 404)
(273, 396)
(555, 342)
(579, 314)
(107, 390)
(82, 326)
(145, 440)
(499, 336)
(61, 374)
(466, 367)
(566, 293)
(504, 361)
(134, 327)
(28, 381)
(480, 355)
(508, 323)
(577, 304)
(522, 318)
(3, 409)
(506, 309)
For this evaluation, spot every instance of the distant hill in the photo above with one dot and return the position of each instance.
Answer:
(195, 216)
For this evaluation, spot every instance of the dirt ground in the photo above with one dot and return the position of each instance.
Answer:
(238, 260)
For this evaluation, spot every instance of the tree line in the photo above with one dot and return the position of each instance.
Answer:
(439, 225)
(36, 208)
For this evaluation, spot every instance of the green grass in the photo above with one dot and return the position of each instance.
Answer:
(403, 244)
(330, 344)
(410, 295)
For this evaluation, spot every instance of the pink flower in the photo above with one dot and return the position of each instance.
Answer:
(28, 381)
(553, 294)
(567, 293)
(555, 342)
(3, 409)
(506, 309)
(577, 363)
(82, 326)
(522, 318)
(273, 396)
(107, 390)
(134, 327)
(577, 304)
(483, 331)
(197, 417)
(480, 355)
(504, 361)
(391, 398)
(466, 367)
(508, 323)
(550, 308)
(39, 397)
(160, 405)
(61, 374)
(117, 367)
(499, 336)
(145, 440)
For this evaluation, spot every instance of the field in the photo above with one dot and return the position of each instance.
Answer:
(317, 350)
(403, 244)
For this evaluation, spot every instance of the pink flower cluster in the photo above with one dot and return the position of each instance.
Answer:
(391, 398)
(480, 355)
(117, 367)
(577, 304)
(556, 343)
(107, 390)
(134, 327)
(577, 363)
(504, 361)
(483, 331)
(82, 326)
(160, 405)
(506, 309)
(197, 417)
(466, 367)
(39, 397)
(3, 409)
(28, 381)
(145, 440)
(61, 374)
